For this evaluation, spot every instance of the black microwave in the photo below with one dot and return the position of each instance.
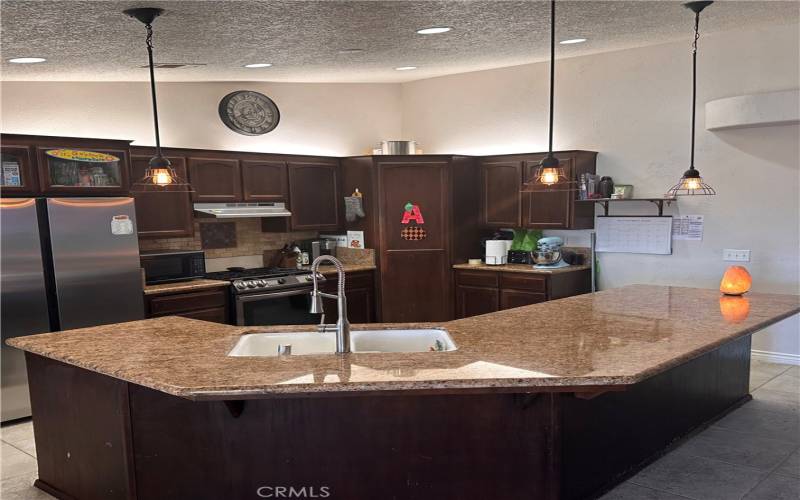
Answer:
(172, 266)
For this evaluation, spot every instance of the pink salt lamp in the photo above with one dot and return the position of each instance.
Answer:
(735, 281)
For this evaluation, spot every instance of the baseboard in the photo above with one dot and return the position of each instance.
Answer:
(776, 357)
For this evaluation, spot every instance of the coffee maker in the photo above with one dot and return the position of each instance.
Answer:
(323, 247)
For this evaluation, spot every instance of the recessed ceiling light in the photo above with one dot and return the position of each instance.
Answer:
(258, 65)
(572, 40)
(27, 60)
(406, 68)
(350, 51)
(434, 30)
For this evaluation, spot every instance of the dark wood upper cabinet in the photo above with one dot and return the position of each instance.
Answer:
(162, 214)
(545, 209)
(264, 180)
(215, 180)
(500, 201)
(61, 175)
(314, 195)
(18, 175)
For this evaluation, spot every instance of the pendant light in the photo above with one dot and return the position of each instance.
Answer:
(691, 183)
(549, 175)
(159, 176)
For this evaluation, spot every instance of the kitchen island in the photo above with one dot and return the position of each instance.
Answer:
(561, 399)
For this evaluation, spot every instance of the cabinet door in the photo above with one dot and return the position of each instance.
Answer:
(18, 175)
(473, 300)
(518, 298)
(162, 214)
(215, 180)
(264, 180)
(82, 171)
(545, 209)
(500, 193)
(360, 293)
(313, 195)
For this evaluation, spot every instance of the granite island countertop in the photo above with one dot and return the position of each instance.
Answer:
(593, 342)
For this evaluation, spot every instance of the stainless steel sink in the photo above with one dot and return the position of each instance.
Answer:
(361, 341)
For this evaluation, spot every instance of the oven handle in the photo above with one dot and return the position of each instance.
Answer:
(241, 299)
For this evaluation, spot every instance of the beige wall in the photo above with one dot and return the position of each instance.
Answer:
(633, 107)
(325, 119)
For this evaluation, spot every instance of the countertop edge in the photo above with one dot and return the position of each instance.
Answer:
(183, 287)
(520, 268)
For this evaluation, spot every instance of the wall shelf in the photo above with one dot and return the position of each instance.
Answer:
(605, 202)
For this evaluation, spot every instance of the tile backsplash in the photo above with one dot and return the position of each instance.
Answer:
(250, 240)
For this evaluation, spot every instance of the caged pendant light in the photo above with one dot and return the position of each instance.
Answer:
(550, 175)
(691, 183)
(159, 176)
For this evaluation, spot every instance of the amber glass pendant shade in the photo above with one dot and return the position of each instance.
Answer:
(735, 281)
(690, 184)
(161, 177)
(549, 176)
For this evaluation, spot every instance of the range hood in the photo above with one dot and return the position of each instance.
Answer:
(242, 210)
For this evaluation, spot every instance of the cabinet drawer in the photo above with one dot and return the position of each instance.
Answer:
(510, 299)
(478, 278)
(183, 302)
(352, 281)
(521, 281)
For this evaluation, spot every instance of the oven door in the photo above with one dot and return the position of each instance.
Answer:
(285, 307)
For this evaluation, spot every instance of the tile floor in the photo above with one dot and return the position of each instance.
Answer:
(752, 453)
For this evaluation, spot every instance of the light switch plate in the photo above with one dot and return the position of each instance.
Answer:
(733, 255)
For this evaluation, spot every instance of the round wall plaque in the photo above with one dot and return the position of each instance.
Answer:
(248, 112)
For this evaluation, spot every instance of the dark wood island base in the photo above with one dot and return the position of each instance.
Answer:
(98, 437)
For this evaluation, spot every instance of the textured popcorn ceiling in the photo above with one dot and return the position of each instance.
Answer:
(94, 41)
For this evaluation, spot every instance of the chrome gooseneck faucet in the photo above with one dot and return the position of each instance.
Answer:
(342, 325)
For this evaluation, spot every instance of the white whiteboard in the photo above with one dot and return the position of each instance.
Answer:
(634, 235)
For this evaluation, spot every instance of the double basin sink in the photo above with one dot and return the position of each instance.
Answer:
(361, 341)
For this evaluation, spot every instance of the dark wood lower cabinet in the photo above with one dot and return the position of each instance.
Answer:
(360, 292)
(475, 300)
(206, 305)
(485, 291)
(99, 437)
(518, 298)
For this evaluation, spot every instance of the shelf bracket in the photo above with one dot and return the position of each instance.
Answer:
(657, 201)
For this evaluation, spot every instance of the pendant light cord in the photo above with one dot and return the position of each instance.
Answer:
(149, 41)
(552, 71)
(694, 80)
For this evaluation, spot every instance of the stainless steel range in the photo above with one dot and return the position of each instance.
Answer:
(269, 295)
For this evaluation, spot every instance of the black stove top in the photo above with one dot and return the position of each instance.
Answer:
(253, 273)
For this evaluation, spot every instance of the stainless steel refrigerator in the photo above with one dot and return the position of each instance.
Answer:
(64, 263)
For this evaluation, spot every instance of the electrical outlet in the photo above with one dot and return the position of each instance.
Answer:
(732, 255)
